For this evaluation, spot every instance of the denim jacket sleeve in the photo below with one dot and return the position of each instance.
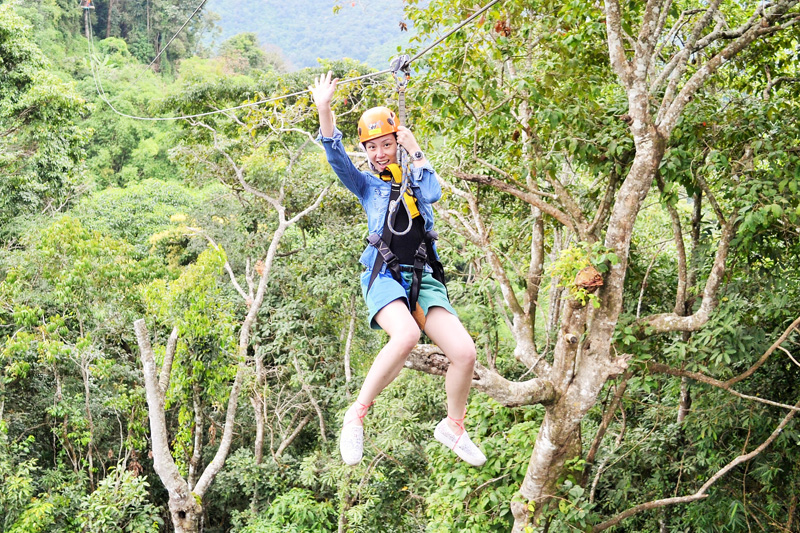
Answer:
(348, 174)
(425, 183)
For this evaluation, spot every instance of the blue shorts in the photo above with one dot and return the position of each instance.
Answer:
(385, 289)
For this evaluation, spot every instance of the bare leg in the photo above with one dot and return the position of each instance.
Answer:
(447, 332)
(404, 334)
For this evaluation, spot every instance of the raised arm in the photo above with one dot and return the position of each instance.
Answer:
(322, 92)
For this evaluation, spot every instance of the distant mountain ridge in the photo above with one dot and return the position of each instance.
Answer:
(305, 30)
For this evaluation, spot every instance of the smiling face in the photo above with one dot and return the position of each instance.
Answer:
(382, 151)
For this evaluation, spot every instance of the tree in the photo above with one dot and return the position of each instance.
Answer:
(40, 141)
(247, 155)
(536, 113)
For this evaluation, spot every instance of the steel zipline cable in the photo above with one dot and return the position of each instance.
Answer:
(101, 91)
(195, 12)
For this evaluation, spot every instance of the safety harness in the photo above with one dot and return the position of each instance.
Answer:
(423, 255)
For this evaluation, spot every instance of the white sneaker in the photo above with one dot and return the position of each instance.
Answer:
(351, 440)
(461, 444)
(351, 444)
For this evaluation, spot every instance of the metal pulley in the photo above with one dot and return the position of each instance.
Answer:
(401, 71)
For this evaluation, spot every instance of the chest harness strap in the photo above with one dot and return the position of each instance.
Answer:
(424, 255)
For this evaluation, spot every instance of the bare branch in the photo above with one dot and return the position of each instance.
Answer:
(163, 463)
(653, 20)
(644, 281)
(711, 198)
(227, 266)
(759, 27)
(697, 376)
(616, 50)
(605, 205)
(307, 388)
(527, 196)
(607, 417)
(312, 207)
(749, 372)
(662, 22)
(291, 438)
(771, 84)
(169, 357)
(677, 67)
(789, 354)
(701, 492)
(569, 204)
(673, 322)
(677, 234)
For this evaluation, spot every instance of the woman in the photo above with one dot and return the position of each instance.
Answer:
(387, 282)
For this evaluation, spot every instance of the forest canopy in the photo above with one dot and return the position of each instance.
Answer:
(181, 322)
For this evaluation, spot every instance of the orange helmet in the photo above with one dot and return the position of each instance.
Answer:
(376, 122)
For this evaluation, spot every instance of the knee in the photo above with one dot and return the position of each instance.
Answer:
(406, 339)
(464, 357)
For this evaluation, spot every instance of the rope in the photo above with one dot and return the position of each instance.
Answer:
(451, 32)
(101, 91)
(394, 206)
(102, 94)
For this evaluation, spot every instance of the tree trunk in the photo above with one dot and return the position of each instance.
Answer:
(108, 19)
(184, 506)
(257, 400)
(185, 511)
(581, 368)
(84, 366)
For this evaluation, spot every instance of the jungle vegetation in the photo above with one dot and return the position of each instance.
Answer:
(181, 325)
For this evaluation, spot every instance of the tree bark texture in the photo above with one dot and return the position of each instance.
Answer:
(184, 506)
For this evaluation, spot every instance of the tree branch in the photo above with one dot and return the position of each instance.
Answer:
(607, 417)
(163, 463)
(668, 322)
(677, 67)
(759, 27)
(749, 372)
(227, 266)
(605, 205)
(528, 196)
(169, 357)
(677, 234)
(430, 359)
(701, 492)
(702, 378)
(285, 443)
(616, 49)
(307, 388)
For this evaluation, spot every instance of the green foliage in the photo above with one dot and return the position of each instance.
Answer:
(294, 511)
(573, 260)
(41, 144)
(465, 499)
(137, 212)
(242, 53)
(70, 381)
(569, 511)
(120, 504)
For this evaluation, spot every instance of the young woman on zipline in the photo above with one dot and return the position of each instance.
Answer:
(402, 268)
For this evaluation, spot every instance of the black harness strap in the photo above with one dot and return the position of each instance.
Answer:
(420, 258)
(424, 255)
(385, 256)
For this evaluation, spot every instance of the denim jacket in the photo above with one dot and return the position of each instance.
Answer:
(373, 193)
